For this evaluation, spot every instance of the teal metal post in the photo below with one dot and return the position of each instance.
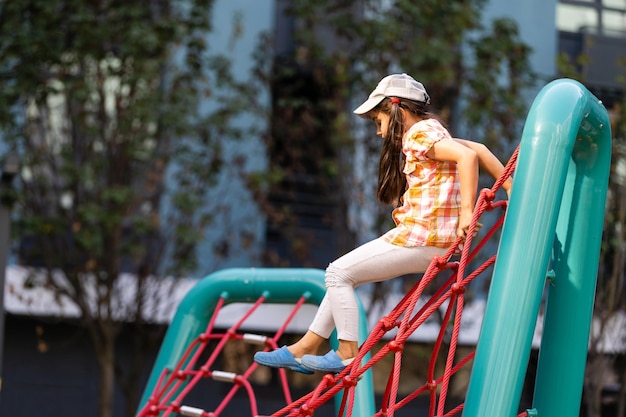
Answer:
(560, 180)
(280, 285)
(569, 309)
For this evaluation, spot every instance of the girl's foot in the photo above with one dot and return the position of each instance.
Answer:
(281, 358)
(330, 362)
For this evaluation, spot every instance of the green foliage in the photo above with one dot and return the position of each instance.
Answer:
(497, 81)
(101, 99)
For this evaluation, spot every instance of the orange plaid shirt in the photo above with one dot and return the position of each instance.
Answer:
(431, 203)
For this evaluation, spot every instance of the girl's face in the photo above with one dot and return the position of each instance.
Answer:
(381, 120)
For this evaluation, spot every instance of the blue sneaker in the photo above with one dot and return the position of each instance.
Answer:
(330, 362)
(281, 358)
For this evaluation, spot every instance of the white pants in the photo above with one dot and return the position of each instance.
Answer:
(374, 261)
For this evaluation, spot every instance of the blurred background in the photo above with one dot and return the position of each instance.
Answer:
(148, 143)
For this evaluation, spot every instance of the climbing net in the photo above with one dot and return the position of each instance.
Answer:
(175, 384)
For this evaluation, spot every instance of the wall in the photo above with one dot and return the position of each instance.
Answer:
(237, 215)
(537, 24)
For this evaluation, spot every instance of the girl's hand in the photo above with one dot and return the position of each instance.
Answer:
(465, 220)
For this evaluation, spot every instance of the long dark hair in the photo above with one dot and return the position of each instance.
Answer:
(391, 179)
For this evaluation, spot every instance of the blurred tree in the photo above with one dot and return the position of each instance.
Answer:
(101, 101)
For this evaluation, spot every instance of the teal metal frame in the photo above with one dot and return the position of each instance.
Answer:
(554, 221)
(246, 285)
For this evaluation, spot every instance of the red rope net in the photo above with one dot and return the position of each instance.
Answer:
(175, 384)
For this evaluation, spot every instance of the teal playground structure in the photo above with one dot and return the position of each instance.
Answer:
(278, 285)
(554, 222)
(552, 230)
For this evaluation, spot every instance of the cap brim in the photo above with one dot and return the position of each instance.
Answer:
(369, 104)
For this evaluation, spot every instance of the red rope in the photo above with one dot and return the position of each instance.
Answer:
(177, 383)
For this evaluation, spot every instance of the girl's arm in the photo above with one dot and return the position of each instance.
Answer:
(466, 160)
(488, 161)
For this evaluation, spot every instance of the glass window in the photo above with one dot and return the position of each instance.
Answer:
(614, 21)
(571, 18)
(615, 4)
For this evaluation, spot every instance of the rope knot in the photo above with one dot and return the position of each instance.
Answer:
(431, 386)
(329, 379)
(489, 194)
(350, 381)
(387, 323)
(457, 288)
(441, 262)
(306, 410)
(396, 346)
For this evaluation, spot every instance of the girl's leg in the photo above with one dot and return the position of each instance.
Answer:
(307, 344)
(313, 339)
(289, 356)
(372, 262)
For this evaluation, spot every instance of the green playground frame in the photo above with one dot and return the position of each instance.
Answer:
(246, 285)
(553, 226)
(553, 222)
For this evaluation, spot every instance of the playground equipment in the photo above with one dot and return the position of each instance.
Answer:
(552, 226)
(555, 215)
(196, 313)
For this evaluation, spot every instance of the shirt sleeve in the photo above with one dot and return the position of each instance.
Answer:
(418, 141)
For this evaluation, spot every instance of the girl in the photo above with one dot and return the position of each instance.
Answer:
(432, 179)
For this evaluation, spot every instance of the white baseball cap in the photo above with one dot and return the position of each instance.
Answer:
(394, 85)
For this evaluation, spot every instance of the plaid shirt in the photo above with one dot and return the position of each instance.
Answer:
(431, 203)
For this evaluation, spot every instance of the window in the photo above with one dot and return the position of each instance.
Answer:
(592, 35)
(615, 4)
(572, 18)
(592, 16)
(614, 21)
